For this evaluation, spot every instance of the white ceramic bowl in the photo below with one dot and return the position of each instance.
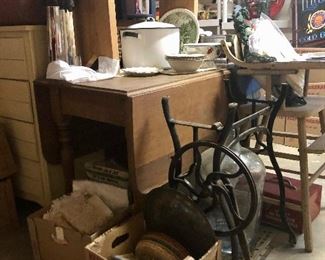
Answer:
(184, 63)
(210, 50)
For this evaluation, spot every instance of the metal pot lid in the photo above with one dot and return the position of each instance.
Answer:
(170, 212)
(151, 23)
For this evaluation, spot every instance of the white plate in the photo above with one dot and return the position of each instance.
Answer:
(140, 71)
(173, 72)
(315, 55)
(186, 21)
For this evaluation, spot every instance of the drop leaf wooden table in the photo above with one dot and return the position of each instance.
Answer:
(132, 103)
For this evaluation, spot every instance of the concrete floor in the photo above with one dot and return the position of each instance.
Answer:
(283, 251)
(16, 246)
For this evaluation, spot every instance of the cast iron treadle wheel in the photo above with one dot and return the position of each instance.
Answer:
(216, 185)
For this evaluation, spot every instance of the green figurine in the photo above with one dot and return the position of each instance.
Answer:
(243, 14)
(242, 17)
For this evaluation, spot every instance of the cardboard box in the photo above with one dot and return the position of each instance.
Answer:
(312, 127)
(279, 125)
(317, 89)
(122, 239)
(317, 75)
(270, 208)
(55, 243)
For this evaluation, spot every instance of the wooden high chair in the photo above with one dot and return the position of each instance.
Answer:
(315, 107)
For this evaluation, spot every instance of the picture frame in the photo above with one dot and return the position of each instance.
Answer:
(308, 23)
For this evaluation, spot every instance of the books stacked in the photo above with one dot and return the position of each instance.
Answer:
(107, 171)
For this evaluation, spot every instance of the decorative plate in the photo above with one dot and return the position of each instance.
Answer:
(186, 21)
(140, 71)
(317, 20)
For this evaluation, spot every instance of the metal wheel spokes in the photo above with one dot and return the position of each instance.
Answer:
(217, 184)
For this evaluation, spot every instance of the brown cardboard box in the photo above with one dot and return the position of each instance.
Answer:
(317, 75)
(317, 89)
(279, 125)
(55, 243)
(312, 123)
(312, 127)
(128, 233)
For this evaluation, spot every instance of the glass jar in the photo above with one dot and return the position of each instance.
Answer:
(241, 188)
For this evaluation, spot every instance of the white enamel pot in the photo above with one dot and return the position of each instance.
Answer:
(146, 44)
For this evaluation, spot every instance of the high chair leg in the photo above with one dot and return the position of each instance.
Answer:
(303, 160)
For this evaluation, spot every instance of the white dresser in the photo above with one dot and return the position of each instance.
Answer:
(23, 58)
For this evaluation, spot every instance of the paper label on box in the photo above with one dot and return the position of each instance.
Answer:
(58, 237)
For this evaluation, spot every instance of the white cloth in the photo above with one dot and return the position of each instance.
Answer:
(108, 68)
(267, 38)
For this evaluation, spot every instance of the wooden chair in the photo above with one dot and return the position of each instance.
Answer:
(315, 107)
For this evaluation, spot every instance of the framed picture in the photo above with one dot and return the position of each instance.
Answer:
(309, 23)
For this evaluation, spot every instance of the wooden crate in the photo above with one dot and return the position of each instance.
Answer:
(122, 239)
(96, 29)
(96, 26)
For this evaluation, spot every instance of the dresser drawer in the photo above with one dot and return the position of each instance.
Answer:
(24, 149)
(28, 188)
(15, 90)
(16, 110)
(19, 130)
(15, 100)
(13, 69)
(13, 59)
(12, 48)
(29, 168)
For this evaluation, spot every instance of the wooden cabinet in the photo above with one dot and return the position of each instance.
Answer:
(23, 58)
(166, 5)
(96, 25)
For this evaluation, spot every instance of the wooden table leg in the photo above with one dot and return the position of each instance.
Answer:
(67, 158)
(66, 149)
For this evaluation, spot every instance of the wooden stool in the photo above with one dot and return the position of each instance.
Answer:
(8, 213)
(315, 106)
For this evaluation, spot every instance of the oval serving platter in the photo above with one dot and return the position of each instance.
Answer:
(186, 21)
